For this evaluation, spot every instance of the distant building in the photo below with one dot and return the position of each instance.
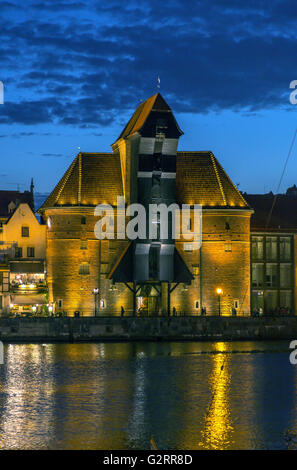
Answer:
(22, 255)
(274, 251)
(150, 277)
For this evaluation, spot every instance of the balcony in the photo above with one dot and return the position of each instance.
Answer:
(30, 288)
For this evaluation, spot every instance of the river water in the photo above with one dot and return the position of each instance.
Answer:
(117, 395)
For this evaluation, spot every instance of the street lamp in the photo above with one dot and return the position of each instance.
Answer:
(219, 292)
(95, 292)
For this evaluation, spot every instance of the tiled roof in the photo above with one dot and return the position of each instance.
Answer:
(283, 217)
(13, 196)
(138, 119)
(200, 179)
(91, 179)
(96, 178)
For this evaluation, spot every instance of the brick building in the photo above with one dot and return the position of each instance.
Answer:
(100, 276)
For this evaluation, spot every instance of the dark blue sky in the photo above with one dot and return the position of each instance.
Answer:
(74, 71)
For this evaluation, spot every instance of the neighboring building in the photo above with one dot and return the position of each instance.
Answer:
(153, 277)
(22, 264)
(274, 251)
(9, 200)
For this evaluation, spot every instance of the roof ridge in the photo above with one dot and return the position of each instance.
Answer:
(79, 179)
(218, 178)
(67, 175)
(234, 186)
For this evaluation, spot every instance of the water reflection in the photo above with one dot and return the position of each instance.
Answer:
(116, 396)
(218, 426)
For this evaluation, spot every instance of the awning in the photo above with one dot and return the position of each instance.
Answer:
(24, 267)
(28, 299)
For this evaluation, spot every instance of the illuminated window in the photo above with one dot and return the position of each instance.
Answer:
(285, 275)
(102, 303)
(25, 231)
(257, 274)
(84, 268)
(271, 275)
(196, 270)
(271, 247)
(30, 252)
(285, 248)
(257, 247)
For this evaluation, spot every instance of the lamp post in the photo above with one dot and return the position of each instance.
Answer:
(219, 292)
(95, 292)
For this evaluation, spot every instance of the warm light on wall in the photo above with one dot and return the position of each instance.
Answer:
(219, 291)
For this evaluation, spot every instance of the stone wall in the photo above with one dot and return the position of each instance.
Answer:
(147, 329)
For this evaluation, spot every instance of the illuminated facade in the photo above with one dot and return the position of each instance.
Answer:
(99, 277)
(22, 262)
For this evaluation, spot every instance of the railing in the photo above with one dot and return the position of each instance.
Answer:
(29, 289)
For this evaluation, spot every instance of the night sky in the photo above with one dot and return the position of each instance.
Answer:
(74, 72)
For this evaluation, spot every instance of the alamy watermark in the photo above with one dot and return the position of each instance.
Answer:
(156, 222)
(293, 94)
(293, 354)
(1, 93)
(1, 353)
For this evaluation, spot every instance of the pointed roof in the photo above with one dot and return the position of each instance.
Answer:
(95, 178)
(200, 179)
(16, 197)
(91, 179)
(139, 118)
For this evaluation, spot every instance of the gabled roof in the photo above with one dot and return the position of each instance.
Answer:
(283, 217)
(138, 119)
(91, 179)
(200, 179)
(13, 196)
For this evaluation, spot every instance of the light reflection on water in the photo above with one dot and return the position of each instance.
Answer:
(118, 395)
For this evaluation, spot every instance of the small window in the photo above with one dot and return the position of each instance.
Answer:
(25, 231)
(84, 268)
(18, 252)
(84, 244)
(227, 226)
(236, 303)
(188, 247)
(228, 247)
(189, 224)
(30, 252)
(83, 221)
(60, 303)
(102, 303)
(197, 304)
(196, 270)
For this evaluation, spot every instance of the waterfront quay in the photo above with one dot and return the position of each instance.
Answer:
(188, 328)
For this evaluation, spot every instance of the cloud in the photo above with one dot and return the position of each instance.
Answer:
(53, 155)
(87, 66)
